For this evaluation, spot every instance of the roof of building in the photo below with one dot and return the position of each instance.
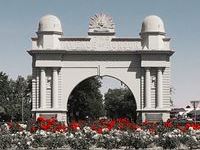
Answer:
(193, 112)
(177, 110)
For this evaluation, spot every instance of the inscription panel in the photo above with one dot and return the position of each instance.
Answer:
(153, 117)
(48, 116)
(102, 43)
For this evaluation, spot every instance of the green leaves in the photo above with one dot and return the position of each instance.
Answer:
(4, 87)
(13, 93)
(120, 103)
(86, 100)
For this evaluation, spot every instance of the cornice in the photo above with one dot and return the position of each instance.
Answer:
(85, 52)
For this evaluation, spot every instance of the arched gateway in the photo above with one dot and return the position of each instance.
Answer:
(59, 63)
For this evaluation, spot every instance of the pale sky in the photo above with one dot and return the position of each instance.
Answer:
(19, 21)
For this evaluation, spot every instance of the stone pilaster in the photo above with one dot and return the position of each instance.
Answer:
(159, 88)
(55, 88)
(42, 88)
(147, 88)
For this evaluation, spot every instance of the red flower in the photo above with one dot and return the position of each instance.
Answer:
(10, 125)
(33, 129)
(41, 119)
(44, 127)
(99, 130)
(51, 121)
(74, 126)
(111, 124)
(60, 128)
(168, 124)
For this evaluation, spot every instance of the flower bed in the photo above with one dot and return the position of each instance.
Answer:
(105, 134)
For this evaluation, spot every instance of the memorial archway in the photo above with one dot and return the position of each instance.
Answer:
(77, 109)
(59, 63)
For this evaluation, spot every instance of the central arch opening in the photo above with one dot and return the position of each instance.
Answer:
(101, 97)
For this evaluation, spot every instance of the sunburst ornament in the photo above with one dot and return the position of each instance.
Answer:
(101, 23)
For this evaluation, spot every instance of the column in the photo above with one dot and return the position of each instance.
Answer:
(38, 88)
(42, 88)
(159, 88)
(34, 88)
(55, 88)
(147, 88)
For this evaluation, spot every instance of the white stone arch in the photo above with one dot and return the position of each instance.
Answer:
(78, 82)
(59, 63)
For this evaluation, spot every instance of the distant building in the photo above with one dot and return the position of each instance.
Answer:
(193, 113)
(187, 112)
(176, 112)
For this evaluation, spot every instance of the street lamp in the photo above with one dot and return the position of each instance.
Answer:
(195, 104)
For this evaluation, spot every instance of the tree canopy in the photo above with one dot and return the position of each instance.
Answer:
(86, 100)
(14, 94)
(120, 103)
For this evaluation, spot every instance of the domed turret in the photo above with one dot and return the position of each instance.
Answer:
(50, 23)
(152, 24)
(152, 33)
(49, 32)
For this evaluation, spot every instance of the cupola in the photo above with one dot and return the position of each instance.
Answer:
(153, 24)
(50, 23)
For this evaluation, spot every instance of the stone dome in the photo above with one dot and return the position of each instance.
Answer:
(50, 23)
(152, 24)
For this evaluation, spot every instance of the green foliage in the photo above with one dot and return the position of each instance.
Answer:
(14, 94)
(120, 103)
(108, 143)
(54, 141)
(190, 141)
(22, 140)
(80, 141)
(39, 141)
(169, 142)
(5, 89)
(86, 100)
(5, 140)
(141, 140)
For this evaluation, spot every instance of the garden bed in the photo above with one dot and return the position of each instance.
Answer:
(102, 134)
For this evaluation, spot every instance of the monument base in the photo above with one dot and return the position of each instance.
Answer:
(60, 115)
(153, 115)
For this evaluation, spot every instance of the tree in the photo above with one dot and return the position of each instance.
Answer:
(13, 95)
(4, 94)
(23, 90)
(120, 103)
(27, 101)
(86, 100)
(4, 88)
